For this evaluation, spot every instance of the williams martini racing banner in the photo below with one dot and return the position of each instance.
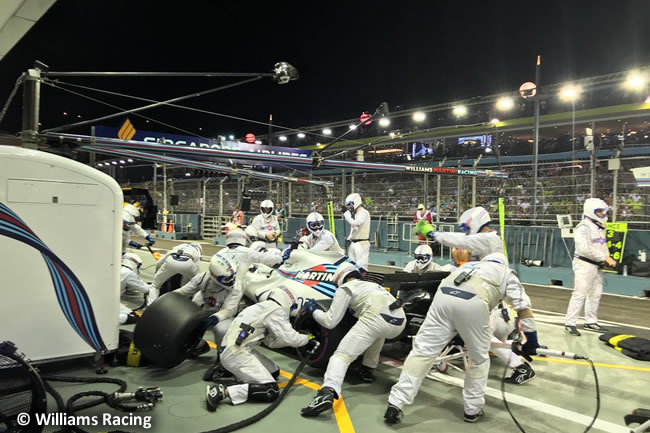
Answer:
(127, 132)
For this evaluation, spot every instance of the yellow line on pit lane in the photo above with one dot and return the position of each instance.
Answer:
(597, 364)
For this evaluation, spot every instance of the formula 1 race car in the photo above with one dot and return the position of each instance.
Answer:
(311, 275)
(170, 327)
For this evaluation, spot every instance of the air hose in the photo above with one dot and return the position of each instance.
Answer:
(270, 408)
(551, 353)
(146, 397)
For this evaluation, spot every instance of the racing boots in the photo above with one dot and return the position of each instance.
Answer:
(393, 414)
(366, 374)
(594, 327)
(473, 418)
(521, 375)
(324, 401)
(213, 395)
(572, 330)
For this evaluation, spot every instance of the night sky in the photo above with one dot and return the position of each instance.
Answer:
(351, 55)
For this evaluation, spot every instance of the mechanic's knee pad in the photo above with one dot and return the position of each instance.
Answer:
(418, 365)
(265, 392)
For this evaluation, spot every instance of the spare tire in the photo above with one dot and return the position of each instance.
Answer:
(329, 339)
(169, 329)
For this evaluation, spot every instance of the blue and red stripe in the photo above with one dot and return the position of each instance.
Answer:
(71, 295)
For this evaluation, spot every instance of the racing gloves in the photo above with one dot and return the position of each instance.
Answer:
(150, 240)
(210, 321)
(310, 306)
(286, 254)
(312, 343)
(529, 348)
(425, 228)
(134, 244)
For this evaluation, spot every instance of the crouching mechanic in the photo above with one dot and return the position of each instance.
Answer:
(265, 322)
(130, 279)
(462, 305)
(130, 216)
(184, 260)
(380, 317)
(423, 262)
(319, 239)
(242, 256)
(215, 291)
(591, 254)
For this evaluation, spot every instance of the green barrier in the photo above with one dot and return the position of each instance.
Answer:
(330, 216)
(502, 225)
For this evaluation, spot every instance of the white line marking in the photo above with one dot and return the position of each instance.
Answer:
(549, 409)
(553, 313)
(549, 286)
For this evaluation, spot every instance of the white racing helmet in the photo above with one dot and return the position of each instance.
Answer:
(423, 256)
(266, 208)
(315, 222)
(222, 271)
(473, 220)
(237, 237)
(132, 262)
(344, 270)
(284, 298)
(593, 205)
(131, 210)
(353, 201)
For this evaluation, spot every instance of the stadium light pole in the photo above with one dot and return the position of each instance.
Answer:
(538, 67)
(570, 92)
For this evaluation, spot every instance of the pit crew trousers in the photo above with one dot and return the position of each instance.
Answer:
(367, 335)
(447, 316)
(587, 290)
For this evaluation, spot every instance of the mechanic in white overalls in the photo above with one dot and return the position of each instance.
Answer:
(130, 279)
(319, 238)
(591, 253)
(423, 262)
(215, 291)
(380, 317)
(130, 226)
(462, 305)
(476, 236)
(481, 240)
(359, 219)
(265, 322)
(183, 260)
(266, 224)
(237, 250)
